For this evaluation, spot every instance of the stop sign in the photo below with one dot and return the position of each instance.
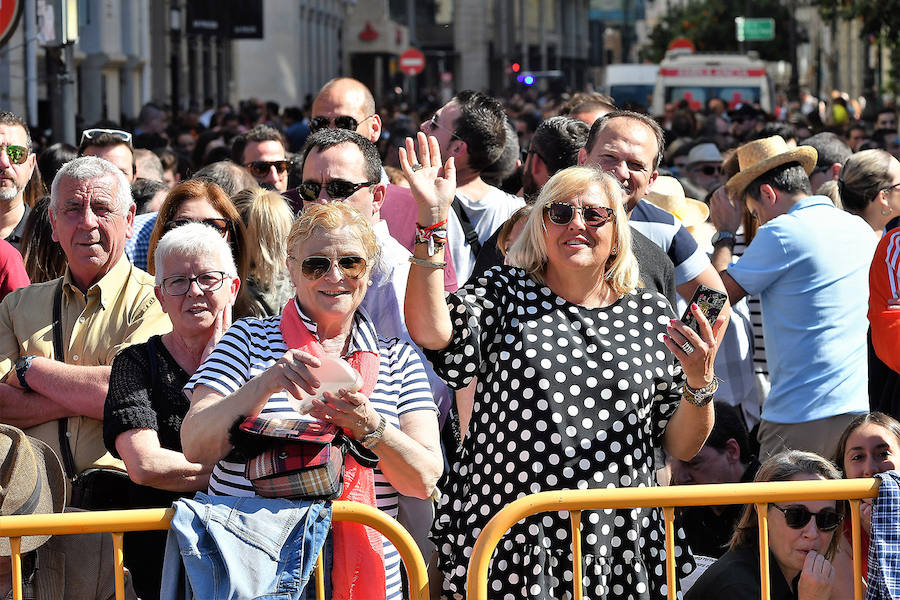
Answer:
(412, 62)
(9, 14)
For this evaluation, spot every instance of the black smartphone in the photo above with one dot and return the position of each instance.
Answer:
(710, 302)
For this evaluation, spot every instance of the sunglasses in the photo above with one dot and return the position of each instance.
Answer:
(525, 154)
(337, 189)
(178, 285)
(710, 170)
(17, 154)
(341, 122)
(562, 213)
(433, 123)
(222, 226)
(797, 517)
(315, 267)
(260, 168)
(89, 134)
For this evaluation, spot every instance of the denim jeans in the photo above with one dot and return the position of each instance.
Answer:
(224, 547)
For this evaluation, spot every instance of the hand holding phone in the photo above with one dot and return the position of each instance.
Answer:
(711, 303)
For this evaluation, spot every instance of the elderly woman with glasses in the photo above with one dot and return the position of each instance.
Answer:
(802, 538)
(196, 284)
(275, 367)
(578, 385)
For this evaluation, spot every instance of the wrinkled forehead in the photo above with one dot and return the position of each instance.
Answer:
(337, 103)
(341, 161)
(80, 192)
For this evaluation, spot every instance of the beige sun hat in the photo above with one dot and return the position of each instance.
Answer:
(31, 482)
(668, 194)
(756, 157)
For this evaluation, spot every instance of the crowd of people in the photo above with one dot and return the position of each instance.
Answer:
(509, 283)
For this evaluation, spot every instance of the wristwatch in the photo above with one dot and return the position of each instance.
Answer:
(23, 363)
(370, 440)
(702, 396)
(722, 235)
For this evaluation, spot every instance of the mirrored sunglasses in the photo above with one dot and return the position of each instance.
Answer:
(89, 134)
(260, 168)
(340, 122)
(797, 517)
(17, 154)
(315, 267)
(337, 189)
(562, 213)
(178, 285)
(222, 226)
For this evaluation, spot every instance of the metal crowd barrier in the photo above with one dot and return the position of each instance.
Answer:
(575, 501)
(119, 521)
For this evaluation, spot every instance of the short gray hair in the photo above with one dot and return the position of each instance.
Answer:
(85, 168)
(193, 240)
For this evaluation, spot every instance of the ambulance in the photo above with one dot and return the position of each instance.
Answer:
(735, 78)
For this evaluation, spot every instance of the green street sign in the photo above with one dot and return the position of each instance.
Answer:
(754, 30)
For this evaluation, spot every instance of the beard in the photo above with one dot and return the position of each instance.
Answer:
(9, 194)
(530, 187)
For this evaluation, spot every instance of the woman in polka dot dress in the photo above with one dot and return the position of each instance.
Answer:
(577, 384)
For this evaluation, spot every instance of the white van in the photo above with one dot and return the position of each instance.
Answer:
(735, 78)
(630, 84)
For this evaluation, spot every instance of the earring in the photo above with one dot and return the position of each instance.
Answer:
(615, 250)
(888, 213)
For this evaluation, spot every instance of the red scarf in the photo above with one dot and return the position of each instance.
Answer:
(357, 572)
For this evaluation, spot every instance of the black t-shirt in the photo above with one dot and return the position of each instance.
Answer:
(735, 576)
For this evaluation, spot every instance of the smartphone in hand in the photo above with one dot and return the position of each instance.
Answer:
(710, 302)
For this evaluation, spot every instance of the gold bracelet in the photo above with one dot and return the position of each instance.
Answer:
(427, 263)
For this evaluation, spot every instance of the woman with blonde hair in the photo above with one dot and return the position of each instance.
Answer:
(869, 186)
(268, 219)
(578, 385)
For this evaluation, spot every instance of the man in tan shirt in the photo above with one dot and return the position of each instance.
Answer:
(106, 305)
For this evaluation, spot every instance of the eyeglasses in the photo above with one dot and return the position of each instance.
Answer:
(337, 189)
(179, 285)
(260, 168)
(710, 170)
(525, 154)
(222, 226)
(433, 124)
(17, 154)
(797, 517)
(89, 134)
(340, 122)
(315, 267)
(562, 213)
(892, 187)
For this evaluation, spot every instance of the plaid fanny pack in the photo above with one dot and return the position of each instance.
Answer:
(305, 458)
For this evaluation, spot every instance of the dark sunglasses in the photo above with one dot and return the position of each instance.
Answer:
(710, 170)
(562, 213)
(341, 122)
(337, 189)
(17, 154)
(222, 226)
(260, 168)
(89, 134)
(315, 267)
(797, 517)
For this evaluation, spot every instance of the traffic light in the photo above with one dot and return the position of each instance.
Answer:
(516, 67)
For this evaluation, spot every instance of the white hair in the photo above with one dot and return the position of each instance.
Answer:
(85, 168)
(193, 240)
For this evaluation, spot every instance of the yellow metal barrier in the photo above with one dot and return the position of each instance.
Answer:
(118, 521)
(668, 498)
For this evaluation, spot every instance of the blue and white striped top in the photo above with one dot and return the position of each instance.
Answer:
(251, 346)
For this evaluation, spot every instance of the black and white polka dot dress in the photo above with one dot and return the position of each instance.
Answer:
(568, 397)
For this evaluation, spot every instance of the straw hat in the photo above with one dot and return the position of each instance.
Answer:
(31, 482)
(759, 156)
(668, 194)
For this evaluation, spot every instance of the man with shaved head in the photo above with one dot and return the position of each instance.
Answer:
(348, 104)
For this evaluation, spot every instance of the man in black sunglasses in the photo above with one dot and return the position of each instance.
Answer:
(346, 103)
(16, 167)
(703, 171)
(261, 150)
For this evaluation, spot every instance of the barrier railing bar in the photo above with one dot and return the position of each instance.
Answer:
(320, 577)
(620, 498)
(856, 538)
(15, 546)
(762, 517)
(119, 563)
(147, 519)
(669, 514)
(577, 583)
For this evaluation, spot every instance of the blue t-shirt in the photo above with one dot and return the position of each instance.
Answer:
(810, 267)
(667, 232)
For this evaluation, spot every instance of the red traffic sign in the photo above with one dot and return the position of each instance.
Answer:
(9, 15)
(682, 44)
(412, 62)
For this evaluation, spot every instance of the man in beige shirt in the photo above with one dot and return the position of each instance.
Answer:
(106, 305)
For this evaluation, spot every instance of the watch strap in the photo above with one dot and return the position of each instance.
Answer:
(370, 440)
(23, 363)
